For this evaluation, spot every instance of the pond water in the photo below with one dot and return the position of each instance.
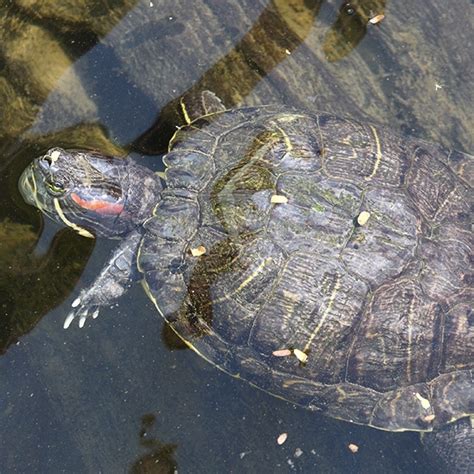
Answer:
(122, 394)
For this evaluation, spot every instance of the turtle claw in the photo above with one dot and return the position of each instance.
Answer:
(82, 313)
(68, 320)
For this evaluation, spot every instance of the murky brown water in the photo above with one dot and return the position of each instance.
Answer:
(120, 395)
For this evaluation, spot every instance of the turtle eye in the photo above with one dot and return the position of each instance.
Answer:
(56, 187)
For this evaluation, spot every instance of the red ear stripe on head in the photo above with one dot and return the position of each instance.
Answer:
(96, 205)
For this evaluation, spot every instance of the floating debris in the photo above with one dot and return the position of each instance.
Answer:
(353, 448)
(377, 18)
(301, 356)
(198, 251)
(282, 353)
(282, 438)
(278, 199)
(363, 217)
(298, 452)
(55, 155)
(425, 403)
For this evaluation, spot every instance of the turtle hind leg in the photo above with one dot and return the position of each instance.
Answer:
(454, 444)
(194, 105)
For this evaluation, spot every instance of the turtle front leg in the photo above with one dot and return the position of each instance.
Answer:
(112, 282)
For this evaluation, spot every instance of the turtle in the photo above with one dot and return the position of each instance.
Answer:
(323, 260)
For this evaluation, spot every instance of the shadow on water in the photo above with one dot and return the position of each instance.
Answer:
(159, 456)
(71, 401)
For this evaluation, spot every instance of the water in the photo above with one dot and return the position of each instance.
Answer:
(121, 394)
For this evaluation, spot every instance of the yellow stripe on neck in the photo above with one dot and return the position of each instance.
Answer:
(78, 229)
(34, 190)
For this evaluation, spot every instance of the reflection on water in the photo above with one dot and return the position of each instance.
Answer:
(71, 400)
(350, 27)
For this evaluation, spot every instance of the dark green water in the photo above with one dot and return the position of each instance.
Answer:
(120, 395)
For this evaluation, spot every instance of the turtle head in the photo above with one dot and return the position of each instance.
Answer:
(92, 193)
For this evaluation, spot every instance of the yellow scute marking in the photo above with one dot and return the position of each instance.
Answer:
(325, 314)
(185, 112)
(378, 156)
(246, 281)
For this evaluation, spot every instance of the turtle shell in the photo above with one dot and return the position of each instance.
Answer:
(322, 260)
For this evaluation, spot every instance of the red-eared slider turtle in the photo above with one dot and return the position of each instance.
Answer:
(323, 260)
